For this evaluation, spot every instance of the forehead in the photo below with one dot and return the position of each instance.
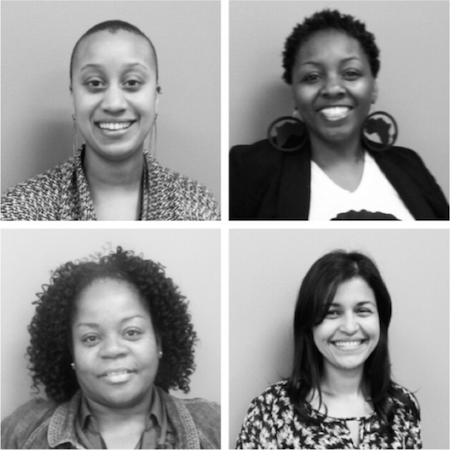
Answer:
(328, 46)
(355, 290)
(112, 49)
(109, 298)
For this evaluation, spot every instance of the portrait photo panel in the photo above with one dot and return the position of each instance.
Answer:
(37, 43)
(267, 268)
(191, 258)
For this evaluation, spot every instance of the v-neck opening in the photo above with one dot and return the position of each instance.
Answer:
(335, 185)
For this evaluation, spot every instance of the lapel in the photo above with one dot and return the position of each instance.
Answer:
(407, 188)
(294, 193)
(182, 421)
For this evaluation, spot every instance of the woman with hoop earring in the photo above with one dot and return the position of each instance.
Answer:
(334, 159)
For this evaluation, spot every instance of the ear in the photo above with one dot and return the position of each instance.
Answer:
(158, 93)
(375, 92)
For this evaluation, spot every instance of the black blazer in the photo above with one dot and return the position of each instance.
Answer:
(267, 184)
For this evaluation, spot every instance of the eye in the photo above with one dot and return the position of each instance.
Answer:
(133, 84)
(311, 78)
(94, 85)
(332, 313)
(352, 75)
(133, 333)
(90, 340)
(364, 312)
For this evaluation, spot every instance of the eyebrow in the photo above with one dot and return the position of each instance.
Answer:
(362, 303)
(314, 63)
(96, 325)
(99, 66)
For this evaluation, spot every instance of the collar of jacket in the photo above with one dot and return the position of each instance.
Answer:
(61, 430)
(294, 196)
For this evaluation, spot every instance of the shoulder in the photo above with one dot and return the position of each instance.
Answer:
(403, 156)
(201, 408)
(191, 200)
(258, 155)
(205, 416)
(403, 399)
(36, 198)
(273, 397)
(29, 418)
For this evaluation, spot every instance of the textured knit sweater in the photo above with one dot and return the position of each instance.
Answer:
(62, 193)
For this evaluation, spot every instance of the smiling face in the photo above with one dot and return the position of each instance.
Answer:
(114, 344)
(114, 86)
(333, 86)
(350, 330)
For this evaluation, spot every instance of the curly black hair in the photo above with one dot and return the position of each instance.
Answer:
(325, 20)
(50, 350)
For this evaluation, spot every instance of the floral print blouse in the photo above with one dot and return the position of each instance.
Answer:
(272, 422)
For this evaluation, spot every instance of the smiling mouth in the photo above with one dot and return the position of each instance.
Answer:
(118, 376)
(335, 113)
(348, 345)
(114, 126)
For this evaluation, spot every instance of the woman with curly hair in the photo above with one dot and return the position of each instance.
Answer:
(115, 90)
(340, 393)
(109, 338)
(332, 160)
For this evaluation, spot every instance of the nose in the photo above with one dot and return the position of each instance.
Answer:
(333, 87)
(349, 324)
(113, 347)
(114, 100)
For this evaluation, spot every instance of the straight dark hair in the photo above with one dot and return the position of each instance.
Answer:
(316, 294)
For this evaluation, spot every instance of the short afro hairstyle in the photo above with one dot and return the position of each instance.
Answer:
(326, 20)
(50, 350)
(113, 26)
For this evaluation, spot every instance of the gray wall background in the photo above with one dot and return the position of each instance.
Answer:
(413, 37)
(266, 270)
(37, 41)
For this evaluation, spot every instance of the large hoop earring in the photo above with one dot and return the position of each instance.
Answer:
(384, 126)
(287, 134)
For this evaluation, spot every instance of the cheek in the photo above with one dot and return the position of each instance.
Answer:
(84, 359)
(304, 96)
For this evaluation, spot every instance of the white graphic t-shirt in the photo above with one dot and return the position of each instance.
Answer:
(374, 199)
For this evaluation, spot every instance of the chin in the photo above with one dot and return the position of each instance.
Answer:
(119, 151)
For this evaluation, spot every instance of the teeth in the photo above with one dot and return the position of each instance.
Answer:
(114, 126)
(335, 113)
(347, 344)
(120, 372)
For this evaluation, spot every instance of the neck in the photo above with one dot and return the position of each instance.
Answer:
(331, 154)
(339, 383)
(110, 418)
(104, 174)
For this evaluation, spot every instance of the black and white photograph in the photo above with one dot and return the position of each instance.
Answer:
(110, 115)
(339, 110)
(109, 340)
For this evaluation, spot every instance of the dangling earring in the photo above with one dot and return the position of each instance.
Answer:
(75, 143)
(160, 353)
(384, 126)
(288, 133)
(73, 366)
(153, 137)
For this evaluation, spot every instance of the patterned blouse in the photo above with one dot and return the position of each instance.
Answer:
(62, 193)
(272, 422)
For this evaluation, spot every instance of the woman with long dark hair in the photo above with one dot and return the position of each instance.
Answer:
(340, 393)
